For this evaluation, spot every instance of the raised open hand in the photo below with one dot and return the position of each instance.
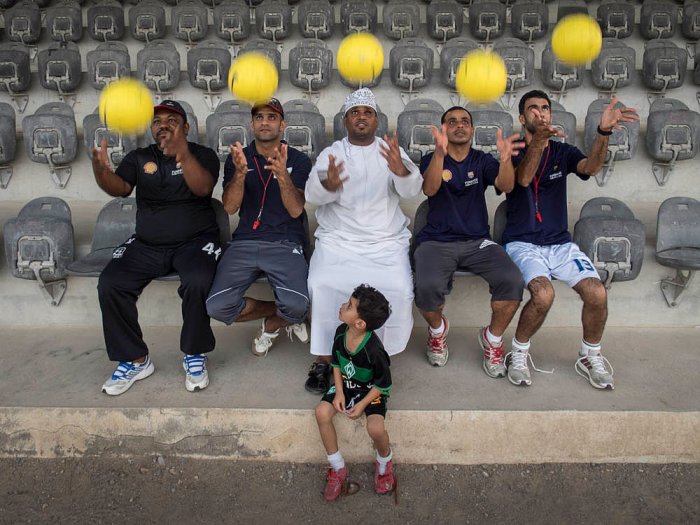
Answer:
(392, 155)
(440, 138)
(238, 158)
(508, 147)
(612, 116)
(277, 163)
(334, 181)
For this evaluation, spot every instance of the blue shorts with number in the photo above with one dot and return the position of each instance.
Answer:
(564, 262)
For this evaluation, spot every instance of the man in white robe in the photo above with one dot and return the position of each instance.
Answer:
(362, 234)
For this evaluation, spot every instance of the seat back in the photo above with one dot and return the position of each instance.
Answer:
(108, 62)
(306, 127)
(64, 21)
(614, 67)
(616, 19)
(265, 47)
(565, 121)
(672, 131)
(230, 123)
(558, 75)
(23, 22)
(691, 21)
(411, 64)
(59, 67)
(444, 19)
(529, 20)
(487, 20)
(208, 65)
(401, 19)
(147, 21)
(622, 144)
(678, 233)
(658, 19)
(414, 127)
(158, 65)
(15, 76)
(316, 19)
(8, 134)
(519, 60)
(232, 21)
(50, 134)
(358, 16)
(663, 65)
(105, 20)
(310, 64)
(190, 21)
(273, 20)
(487, 121)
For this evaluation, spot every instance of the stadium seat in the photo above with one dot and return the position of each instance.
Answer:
(414, 127)
(207, 69)
(678, 244)
(612, 238)
(118, 145)
(622, 144)
(558, 76)
(59, 68)
(306, 127)
(658, 19)
(410, 64)
(310, 65)
(487, 20)
(444, 19)
(673, 134)
(564, 121)
(105, 20)
(663, 65)
(230, 123)
(232, 21)
(401, 19)
(691, 21)
(571, 7)
(316, 19)
(529, 20)
(520, 64)
(450, 57)
(358, 16)
(51, 137)
(158, 66)
(273, 20)
(108, 62)
(190, 21)
(487, 120)
(23, 22)
(192, 120)
(614, 67)
(696, 71)
(15, 76)
(340, 132)
(64, 21)
(116, 222)
(147, 21)
(266, 47)
(39, 245)
(8, 143)
(616, 18)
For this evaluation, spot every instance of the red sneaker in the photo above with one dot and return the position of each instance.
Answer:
(335, 480)
(384, 483)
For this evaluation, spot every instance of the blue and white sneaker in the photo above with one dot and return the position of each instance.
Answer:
(196, 376)
(126, 373)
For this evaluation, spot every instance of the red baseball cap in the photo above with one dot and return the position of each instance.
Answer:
(273, 104)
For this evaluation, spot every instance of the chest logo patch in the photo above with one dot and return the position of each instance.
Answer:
(470, 174)
(446, 175)
(150, 168)
(349, 370)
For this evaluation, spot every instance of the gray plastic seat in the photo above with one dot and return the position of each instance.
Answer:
(622, 144)
(519, 59)
(310, 64)
(64, 21)
(557, 75)
(358, 16)
(691, 21)
(612, 238)
(147, 21)
(23, 22)
(108, 62)
(15, 74)
(663, 65)
(51, 137)
(401, 19)
(411, 64)
(529, 20)
(230, 123)
(564, 121)
(444, 19)
(158, 66)
(673, 132)
(118, 145)
(8, 142)
(266, 47)
(487, 121)
(116, 222)
(273, 20)
(616, 19)
(316, 19)
(190, 21)
(59, 67)
(414, 127)
(39, 245)
(678, 244)
(306, 127)
(232, 21)
(614, 67)
(658, 19)
(207, 68)
(487, 20)
(192, 120)
(696, 71)
(105, 20)
(340, 131)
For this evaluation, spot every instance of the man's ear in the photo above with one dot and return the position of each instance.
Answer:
(186, 128)
(283, 125)
(521, 118)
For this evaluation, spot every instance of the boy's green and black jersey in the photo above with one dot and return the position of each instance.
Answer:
(366, 367)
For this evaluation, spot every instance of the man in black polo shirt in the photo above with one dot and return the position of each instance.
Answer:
(456, 235)
(176, 231)
(264, 182)
(537, 238)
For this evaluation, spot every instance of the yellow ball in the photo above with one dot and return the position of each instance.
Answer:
(253, 78)
(481, 76)
(360, 58)
(126, 106)
(576, 39)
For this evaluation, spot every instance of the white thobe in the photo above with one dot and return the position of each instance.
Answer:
(362, 237)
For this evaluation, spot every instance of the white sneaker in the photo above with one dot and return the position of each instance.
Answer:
(196, 375)
(263, 341)
(126, 374)
(596, 369)
(300, 331)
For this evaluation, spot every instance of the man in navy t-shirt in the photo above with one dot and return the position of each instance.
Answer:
(537, 238)
(456, 235)
(264, 182)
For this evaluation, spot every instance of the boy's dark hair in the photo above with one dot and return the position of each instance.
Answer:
(535, 93)
(372, 306)
(444, 115)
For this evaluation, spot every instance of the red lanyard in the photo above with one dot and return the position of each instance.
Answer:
(256, 223)
(538, 215)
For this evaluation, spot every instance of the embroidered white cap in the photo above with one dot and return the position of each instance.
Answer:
(361, 97)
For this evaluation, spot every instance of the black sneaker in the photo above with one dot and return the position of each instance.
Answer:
(319, 378)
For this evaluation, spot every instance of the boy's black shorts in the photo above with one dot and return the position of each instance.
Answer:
(378, 406)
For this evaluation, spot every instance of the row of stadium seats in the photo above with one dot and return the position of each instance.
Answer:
(273, 20)
(39, 243)
(50, 135)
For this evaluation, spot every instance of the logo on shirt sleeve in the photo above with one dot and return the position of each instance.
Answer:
(150, 168)
(446, 175)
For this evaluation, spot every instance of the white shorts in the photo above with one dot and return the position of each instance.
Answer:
(564, 262)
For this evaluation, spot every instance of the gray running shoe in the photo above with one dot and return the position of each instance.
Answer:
(595, 368)
(518, 372)
(493, 357)
(126, 374)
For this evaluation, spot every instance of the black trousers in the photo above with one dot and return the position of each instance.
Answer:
(133, 266)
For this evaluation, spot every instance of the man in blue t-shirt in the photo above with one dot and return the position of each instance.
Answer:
(537, 237)
(456, 235)
(264, 182)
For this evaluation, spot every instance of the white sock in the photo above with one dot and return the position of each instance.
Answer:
(520, 347)
(437, 331)
(383, 461)
(336, 460)
(494, 340)
(589, 349)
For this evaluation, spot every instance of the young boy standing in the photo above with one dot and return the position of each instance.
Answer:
(362, 381)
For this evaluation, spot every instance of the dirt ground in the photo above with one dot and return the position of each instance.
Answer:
(165, 490)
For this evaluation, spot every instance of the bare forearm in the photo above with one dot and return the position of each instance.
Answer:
(432, 177)
(111, 183)
(373, 394)
(505, 181)
(528, 166)
(592, 164)
(292, 197)
(233, 194)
